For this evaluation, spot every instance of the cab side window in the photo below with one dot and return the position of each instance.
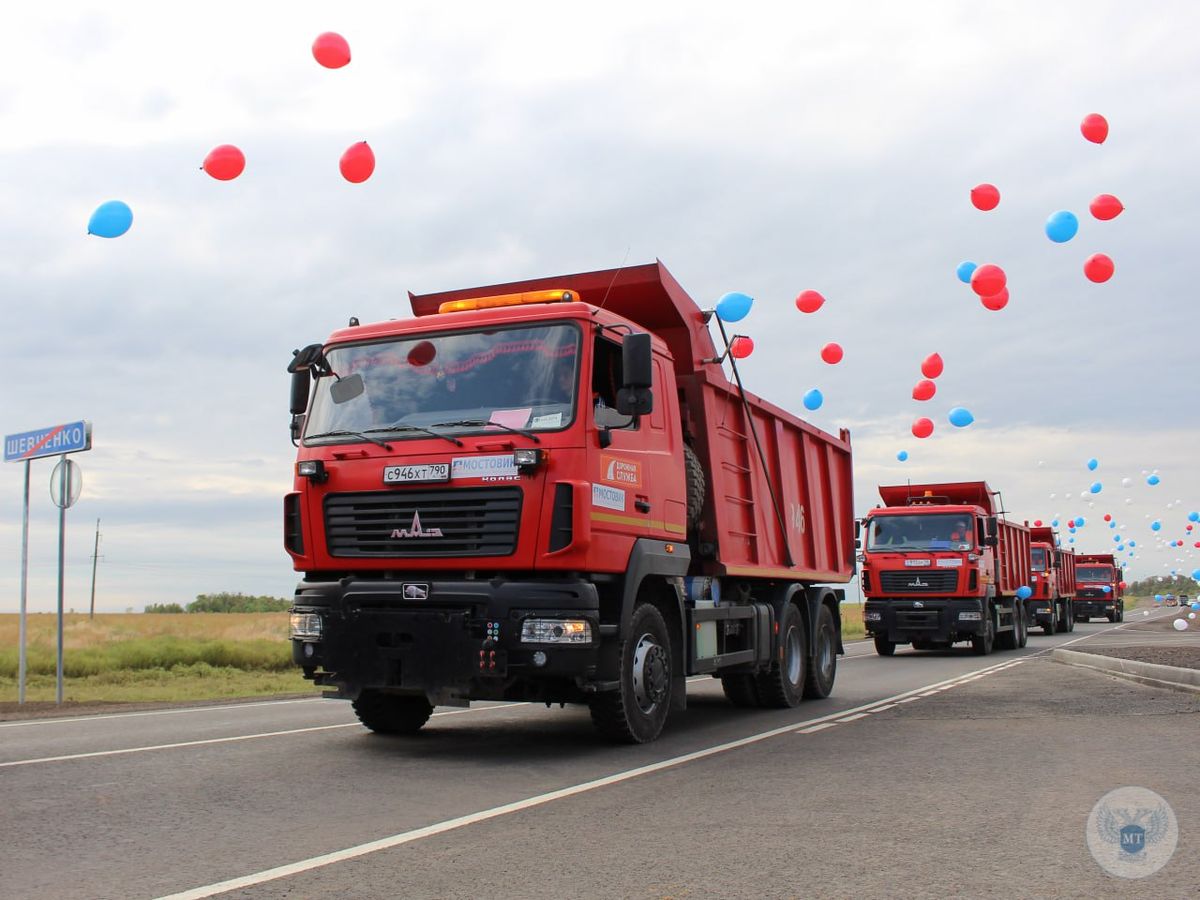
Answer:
(606, 374)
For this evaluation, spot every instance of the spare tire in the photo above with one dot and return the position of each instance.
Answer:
(694, 474)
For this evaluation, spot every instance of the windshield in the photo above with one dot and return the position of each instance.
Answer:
(1094, 573)
(515, 378)
(942, 531)
(1037, 559)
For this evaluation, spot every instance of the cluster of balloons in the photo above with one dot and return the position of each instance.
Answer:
(808, 302)
(988, 281)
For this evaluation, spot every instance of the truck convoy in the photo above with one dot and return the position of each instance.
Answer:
(942, 565)
(1101, 587)
(1052, 580)
(550, 491)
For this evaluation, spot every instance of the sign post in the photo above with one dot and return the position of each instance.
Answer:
(66, 481)
(57, 440)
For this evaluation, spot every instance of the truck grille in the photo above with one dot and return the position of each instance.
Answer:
(1091, 592)
(918, 582)
(460, 522)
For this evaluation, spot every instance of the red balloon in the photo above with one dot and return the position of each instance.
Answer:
(225, 162)
(1094, 127)
(931, 366)
(988, 280)
(1189, 527)
(331, 50)
(741, 347)
(985, 196)
(922, 427)
(1098, 268)
(924, 390)
(1107, 517)
(832, 353)
(1071, 524)
(1123, 585)
(1197, 544)
(1037, 523)
(357, 163)
(996, 302)
(422, 354)
(1105, 207)
(809, 301)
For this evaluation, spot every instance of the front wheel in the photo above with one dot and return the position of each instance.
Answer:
(883, 646)
(982, 643)
(1121, 614)
(392, 713)
(636, 711)
(1020, 625)
(822, 667)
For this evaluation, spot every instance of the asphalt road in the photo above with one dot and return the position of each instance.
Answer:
(926, 774)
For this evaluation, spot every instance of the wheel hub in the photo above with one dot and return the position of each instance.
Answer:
(651, 674)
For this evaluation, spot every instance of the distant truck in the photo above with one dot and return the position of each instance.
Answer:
(1052, 580)
(941, 565)
(1100, 588)
(550, 491)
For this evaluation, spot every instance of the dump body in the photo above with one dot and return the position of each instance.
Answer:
(1051, 603)
(466, 489)
(1099, 590)
(940, 566)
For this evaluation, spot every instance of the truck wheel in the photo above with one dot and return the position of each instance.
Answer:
(883, 646)
(636, 712)
(1121, 613)
(981, 644)
(1071, 620)
(782, 686)
(1052, 626)
(740, 690)
(694, 474)
(1064, 616)
(1021, 626)
(822, 668)
(392, 713)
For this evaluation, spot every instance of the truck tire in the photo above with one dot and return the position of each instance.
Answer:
(636, 711)
(883, 646)
(981, 644)
(1053, 625)
(1064, 617)
(392, 713)
(1070, 616)
(740, 690)
(782, 686)
(694, 474)
(822, 667)
(1121, 613)
(1021, 626)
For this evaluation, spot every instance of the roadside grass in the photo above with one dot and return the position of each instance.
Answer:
(852, 623)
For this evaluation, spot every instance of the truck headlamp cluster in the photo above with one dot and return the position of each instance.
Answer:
(312, 469)
(969, 617)
(306, 626)
(526, 459)
(556, 631)
(872, 617)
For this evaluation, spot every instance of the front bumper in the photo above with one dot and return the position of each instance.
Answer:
(1085, 608)
(905, 620)
(446, 639)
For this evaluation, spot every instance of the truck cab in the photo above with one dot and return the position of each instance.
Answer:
(1101, 589)
(1052, 582)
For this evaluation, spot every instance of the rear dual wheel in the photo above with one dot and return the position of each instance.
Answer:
(783, 685)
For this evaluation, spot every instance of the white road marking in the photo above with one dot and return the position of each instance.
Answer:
(416, 834)
(879, 709)
(855, 717)
(155, 712)
(820, 727)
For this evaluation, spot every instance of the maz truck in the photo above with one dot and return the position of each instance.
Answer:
(550, 491)
(1101, 587)
(1052, 581)
(940, 564)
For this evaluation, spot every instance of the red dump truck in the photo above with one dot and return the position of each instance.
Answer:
(550, 491)
(1100, 590)
(941, 565)
(1052, 581)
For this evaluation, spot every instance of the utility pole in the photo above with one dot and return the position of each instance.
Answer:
(95, 557)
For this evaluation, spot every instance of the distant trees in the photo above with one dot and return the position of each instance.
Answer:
(224, 603)
(1160, 584)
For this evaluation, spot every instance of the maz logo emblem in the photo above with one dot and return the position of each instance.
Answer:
(918, 583)
(416, 531)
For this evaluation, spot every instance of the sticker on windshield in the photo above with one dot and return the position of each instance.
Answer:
(550, 420)
(483, 466)
(608, 497)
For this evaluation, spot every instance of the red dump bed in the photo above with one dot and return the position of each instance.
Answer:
(1012, 552)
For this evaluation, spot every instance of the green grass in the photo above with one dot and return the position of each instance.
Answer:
(187, 683)
(852, 623)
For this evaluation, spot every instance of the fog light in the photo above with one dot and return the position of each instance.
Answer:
(539, 657)
(312, 469)
(968, 617)
(306, 626)
(309, 650)
(872, 617)
(526, 459)
(556, 631)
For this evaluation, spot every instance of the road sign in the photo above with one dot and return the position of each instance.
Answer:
(54, 441)
(71, 481)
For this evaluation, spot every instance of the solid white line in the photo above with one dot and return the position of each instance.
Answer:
(820, 727)
(224, 740)
(155, 712)
(879, 709)
(406, 837)
(853, 718)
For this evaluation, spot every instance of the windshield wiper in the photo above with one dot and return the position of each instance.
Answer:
(399, 427)
(358, 434)
(480, 423)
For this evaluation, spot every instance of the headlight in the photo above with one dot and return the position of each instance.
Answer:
(872, 617)
(306, 626)
(968, 617)
(556, 631)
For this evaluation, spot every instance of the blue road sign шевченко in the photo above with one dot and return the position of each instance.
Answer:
(54, 441)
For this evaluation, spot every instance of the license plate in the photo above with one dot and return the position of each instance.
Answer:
(423, 472)
(914, 563)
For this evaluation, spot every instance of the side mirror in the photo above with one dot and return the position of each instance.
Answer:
(993, 527)
(301, 381)
(635, 397)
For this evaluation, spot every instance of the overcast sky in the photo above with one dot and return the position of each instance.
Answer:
(827, 146)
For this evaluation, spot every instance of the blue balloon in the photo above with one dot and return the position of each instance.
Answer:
(734, 306)
(1152, 480)
(1120, 546)
(961, 418)
(1196, 604)
(1061, 226)
(1096, 487)
(902, 455)
(1155, 525)
(1070, 540)
(1158, 598)
(813, 399)
(1194, 517)
(965, 270)
(110, 220)
(1112, 524)
(1133, 543)
(1106, 589)
(1080, 521)
(1024, 592)
(1116, 539)
(1092, 463)
(1055, 523)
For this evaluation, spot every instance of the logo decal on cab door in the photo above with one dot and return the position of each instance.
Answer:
(620, 471)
